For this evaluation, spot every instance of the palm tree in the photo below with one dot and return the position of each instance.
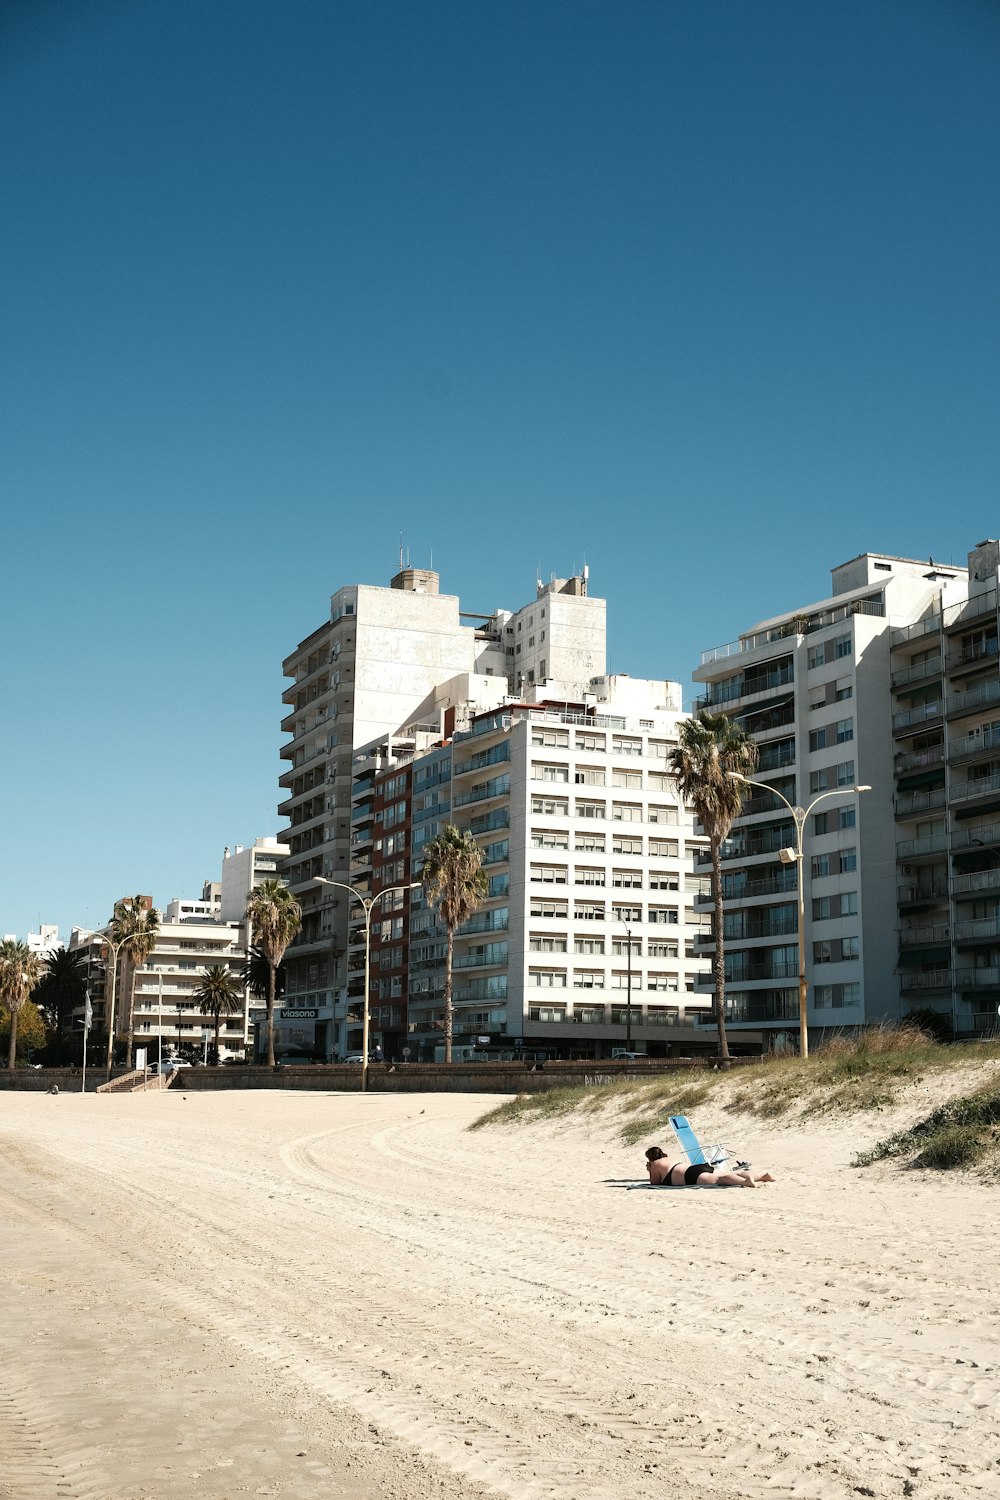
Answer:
(275, 917)
(455, 886)
(219, 995)
(20, 972)
(134, 925)
(712, 748)
(63, 986)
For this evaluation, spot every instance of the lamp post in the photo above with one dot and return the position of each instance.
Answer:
(116, 947)
(368, 904)
(628, 990)
(794, 856)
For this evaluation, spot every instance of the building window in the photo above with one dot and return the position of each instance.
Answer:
(588, 979)
(546, 942)
(662, 814)
(551, 806)
(586, 809)
(585, 876)
(592, 843)
(548, 979)
(627, 778)
(548, 874)
(588, 945)
(626, 812)
(542, 907)
(590, 776)
(549, 838)
(541, 771)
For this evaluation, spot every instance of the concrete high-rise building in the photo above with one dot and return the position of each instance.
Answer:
(388, 663)
(843, 691)
(587, 942)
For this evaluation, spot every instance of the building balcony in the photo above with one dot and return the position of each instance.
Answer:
(763, 802)
(498, 787)
(978, 835)
(978, 930)
(922, 671)
(978, 786)
(972, 747)
(918, 760)
(773, 969)
(924, 936)
(968, 884)
(486, 922)
(985, 695)
(935, 843)
(979, 607)
(924, 981)
(913, 804)
(723, 694)
(917, 894)
(492, 957)
(978, 979)
(902, 635)
(970, 657)
(781, 884)
(914, 720)
(756, 1009)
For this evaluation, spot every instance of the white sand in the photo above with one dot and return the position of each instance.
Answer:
(305, 1295)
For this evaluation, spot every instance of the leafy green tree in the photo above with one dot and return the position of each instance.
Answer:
(218, 994)
(31, 1032)
(20, 972)
(455, 886)
(62, 987)
(275, 917)
(135, 925)
(712, 749)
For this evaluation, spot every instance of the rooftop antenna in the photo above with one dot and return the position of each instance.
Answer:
(401, 552)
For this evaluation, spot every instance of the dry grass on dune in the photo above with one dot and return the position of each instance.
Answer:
(845, 1075)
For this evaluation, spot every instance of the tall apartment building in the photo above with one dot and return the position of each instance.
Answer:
(946, 762)
(587, 940)
(388, 663)
(816, 688)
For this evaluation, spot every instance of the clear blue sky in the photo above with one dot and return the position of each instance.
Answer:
(704, 295)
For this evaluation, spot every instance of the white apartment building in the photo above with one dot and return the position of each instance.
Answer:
(589, 941)
(45, 940)
(243, 870)
(166, 1010)
(388, 663)
(813, 687)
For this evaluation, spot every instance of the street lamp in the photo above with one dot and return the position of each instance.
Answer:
(368, 903)
(628, 991)
(794, 857)
(116, 947)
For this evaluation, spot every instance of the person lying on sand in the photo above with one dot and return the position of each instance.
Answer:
(666, 1172)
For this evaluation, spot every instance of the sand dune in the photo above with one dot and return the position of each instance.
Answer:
(328, 1295)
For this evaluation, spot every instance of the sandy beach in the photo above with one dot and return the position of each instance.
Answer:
(312, 1295)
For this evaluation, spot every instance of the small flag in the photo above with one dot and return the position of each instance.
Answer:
(88, 1012)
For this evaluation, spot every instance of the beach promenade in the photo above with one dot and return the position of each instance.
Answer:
(325, 1295)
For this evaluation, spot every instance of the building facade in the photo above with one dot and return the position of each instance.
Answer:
(387, 665)
(843, 692)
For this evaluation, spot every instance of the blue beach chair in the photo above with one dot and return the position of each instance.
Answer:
(715, 1156)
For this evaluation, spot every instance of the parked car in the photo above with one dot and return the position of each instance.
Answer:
(169, 1064)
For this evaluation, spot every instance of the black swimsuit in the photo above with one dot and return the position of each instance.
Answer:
(691, 1175)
